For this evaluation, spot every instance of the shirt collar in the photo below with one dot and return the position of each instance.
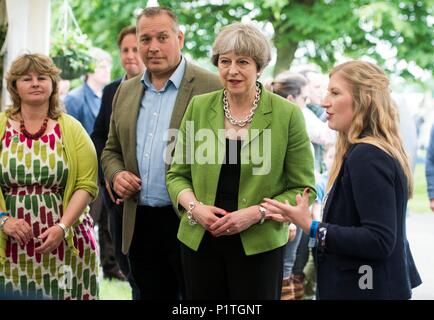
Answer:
(175, 78)
(89, 90)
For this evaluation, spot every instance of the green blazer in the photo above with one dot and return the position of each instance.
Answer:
(278, 135)
(120, 150)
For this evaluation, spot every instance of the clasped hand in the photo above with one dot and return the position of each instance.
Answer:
(21, 231)
(222, 223)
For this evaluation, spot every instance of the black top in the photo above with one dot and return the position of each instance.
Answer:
(229, 179)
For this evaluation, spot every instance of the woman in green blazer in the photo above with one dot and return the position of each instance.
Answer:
(235, 147)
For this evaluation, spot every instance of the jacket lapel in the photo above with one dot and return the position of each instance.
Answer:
(183, 97)
(216, 117)
(134, 103)
(262, 118)
(332, 192)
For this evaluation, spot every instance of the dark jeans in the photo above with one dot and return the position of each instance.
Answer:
(115, 226)
(114, 213)
(302, 255)
(221, 270)
(154, 254)
(99, 215)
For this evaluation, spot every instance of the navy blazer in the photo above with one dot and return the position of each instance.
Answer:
(101, 130)
(365, 220)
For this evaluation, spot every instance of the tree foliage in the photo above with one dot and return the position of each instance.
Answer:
(327, 29)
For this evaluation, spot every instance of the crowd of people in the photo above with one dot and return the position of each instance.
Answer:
(211, 186)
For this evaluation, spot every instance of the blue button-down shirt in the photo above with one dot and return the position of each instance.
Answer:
(152, 125)
(83, 104)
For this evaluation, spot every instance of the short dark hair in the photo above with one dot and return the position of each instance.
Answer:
(287, 83)
(124, 32)
(151, 12)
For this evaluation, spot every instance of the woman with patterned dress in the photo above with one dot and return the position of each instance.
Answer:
(48, 176)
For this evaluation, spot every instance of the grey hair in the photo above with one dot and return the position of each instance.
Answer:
(100, 54)
(242, 39)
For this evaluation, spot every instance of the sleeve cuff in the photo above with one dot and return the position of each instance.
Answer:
(178, 196)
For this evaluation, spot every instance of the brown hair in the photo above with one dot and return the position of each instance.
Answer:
(40, 64)
(124, 32)
(375, 118)
(287, 83)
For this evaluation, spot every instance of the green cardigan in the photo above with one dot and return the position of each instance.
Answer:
(80, 155)
(289, 167)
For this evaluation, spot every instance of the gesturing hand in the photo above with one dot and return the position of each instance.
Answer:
(284, 212)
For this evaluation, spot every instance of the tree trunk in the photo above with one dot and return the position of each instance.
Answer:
(285, 55)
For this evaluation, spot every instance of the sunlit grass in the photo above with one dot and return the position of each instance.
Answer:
(419, 203)
(114, 290)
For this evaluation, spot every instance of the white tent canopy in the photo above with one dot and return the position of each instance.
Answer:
(28, 30)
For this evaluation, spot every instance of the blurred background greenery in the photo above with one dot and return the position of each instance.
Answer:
(419, 203)
(397, 34)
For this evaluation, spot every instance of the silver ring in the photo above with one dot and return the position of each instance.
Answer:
(228, 230)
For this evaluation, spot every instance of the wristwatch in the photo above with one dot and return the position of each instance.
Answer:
(64, 228)
(3, 219)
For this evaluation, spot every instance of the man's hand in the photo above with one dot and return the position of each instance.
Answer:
(126, 184)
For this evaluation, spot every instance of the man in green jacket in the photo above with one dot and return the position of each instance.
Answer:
(144, 109)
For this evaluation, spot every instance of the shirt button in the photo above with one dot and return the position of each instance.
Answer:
(146, 155)
(154, 114)
(150, 134)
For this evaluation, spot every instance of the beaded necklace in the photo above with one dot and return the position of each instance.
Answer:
(35, 135)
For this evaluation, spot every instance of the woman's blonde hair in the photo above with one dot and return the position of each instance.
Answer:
(375, 118)
(40, 64)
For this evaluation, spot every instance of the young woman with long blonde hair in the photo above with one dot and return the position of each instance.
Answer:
(362, 248)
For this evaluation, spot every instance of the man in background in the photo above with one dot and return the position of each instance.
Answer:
(84, 102)
(133, 66)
